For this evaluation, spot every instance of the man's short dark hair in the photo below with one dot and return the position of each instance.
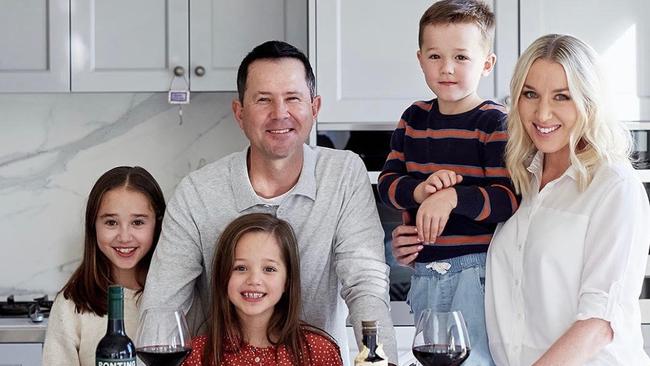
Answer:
(274, 50)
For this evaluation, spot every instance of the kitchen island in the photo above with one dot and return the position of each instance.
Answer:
(21, 341)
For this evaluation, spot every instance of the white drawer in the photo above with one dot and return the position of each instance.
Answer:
(21, 354)
(645, 330)
(644, 304)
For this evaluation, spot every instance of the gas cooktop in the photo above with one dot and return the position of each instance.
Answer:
(35, 310)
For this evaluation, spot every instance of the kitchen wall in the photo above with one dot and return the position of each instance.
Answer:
(54, 146)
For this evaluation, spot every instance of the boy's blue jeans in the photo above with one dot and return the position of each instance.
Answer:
(462, 288)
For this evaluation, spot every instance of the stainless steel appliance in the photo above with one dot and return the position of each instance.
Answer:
(35, 310)
(22, 330)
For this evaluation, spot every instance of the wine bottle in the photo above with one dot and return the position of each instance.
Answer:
(372, 353)
(115, 348)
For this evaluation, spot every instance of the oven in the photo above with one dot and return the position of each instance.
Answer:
(22, 330)
(641, 139)
(373, 147)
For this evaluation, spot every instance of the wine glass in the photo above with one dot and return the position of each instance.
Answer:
(163, 338)
(441, 339)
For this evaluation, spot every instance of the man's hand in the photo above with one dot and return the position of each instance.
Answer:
(405, 244)
(437, 181)
(433, 214)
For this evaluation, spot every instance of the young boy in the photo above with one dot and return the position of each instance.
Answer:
(446, 169)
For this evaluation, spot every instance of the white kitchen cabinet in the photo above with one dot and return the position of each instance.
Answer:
(366, 65)
(618, 30)
(34, 39)
(122, 45)
(21, 354)
(222, 32)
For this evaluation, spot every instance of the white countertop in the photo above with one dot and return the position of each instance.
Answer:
(22, 330)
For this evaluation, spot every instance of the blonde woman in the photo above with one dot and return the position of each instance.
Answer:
(565, 272)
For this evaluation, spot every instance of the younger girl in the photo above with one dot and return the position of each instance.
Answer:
(123, 220)
(255, 298)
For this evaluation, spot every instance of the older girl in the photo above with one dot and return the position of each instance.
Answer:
(565, 272)
(123, 221)
(255, 295)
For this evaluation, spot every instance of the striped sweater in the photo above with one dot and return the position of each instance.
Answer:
(471, 144)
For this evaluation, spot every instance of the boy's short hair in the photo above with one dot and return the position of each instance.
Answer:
(460, 11)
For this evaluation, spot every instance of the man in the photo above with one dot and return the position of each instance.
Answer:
(324, 194)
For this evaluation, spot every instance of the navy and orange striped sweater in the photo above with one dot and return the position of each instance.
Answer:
(471, 144)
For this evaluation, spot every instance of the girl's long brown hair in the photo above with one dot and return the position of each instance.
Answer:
(285, 325)
(88, 285)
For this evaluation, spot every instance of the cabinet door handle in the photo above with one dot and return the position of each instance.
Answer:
(199, 71)
(179, 71)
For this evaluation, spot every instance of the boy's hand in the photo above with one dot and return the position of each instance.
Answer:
(405, 244)
(433, 214)
(437, 181)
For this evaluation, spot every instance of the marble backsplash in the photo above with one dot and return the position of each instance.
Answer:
(54, 146)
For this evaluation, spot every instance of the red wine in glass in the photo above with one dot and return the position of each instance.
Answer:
(163, 355)
(441, 339)
(440, 355)
(163, 337)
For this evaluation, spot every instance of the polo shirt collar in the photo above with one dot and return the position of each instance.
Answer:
(244, 194)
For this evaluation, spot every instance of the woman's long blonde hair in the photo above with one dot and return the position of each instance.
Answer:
(596, 136)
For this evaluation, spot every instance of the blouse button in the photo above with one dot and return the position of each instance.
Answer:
(257, 359)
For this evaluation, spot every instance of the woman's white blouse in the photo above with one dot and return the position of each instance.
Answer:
(567, 255)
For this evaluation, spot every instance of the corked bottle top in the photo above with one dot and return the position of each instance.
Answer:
(369, 326)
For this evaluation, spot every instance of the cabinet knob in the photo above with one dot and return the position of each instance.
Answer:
(506, 100)
(199, 71)
(179, 71)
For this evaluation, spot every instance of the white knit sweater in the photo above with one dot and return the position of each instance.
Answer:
(71, 338)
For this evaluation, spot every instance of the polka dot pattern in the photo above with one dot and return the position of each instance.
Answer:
(323, 353)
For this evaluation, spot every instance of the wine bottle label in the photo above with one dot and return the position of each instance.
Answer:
(125, 362)
(360, 360)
